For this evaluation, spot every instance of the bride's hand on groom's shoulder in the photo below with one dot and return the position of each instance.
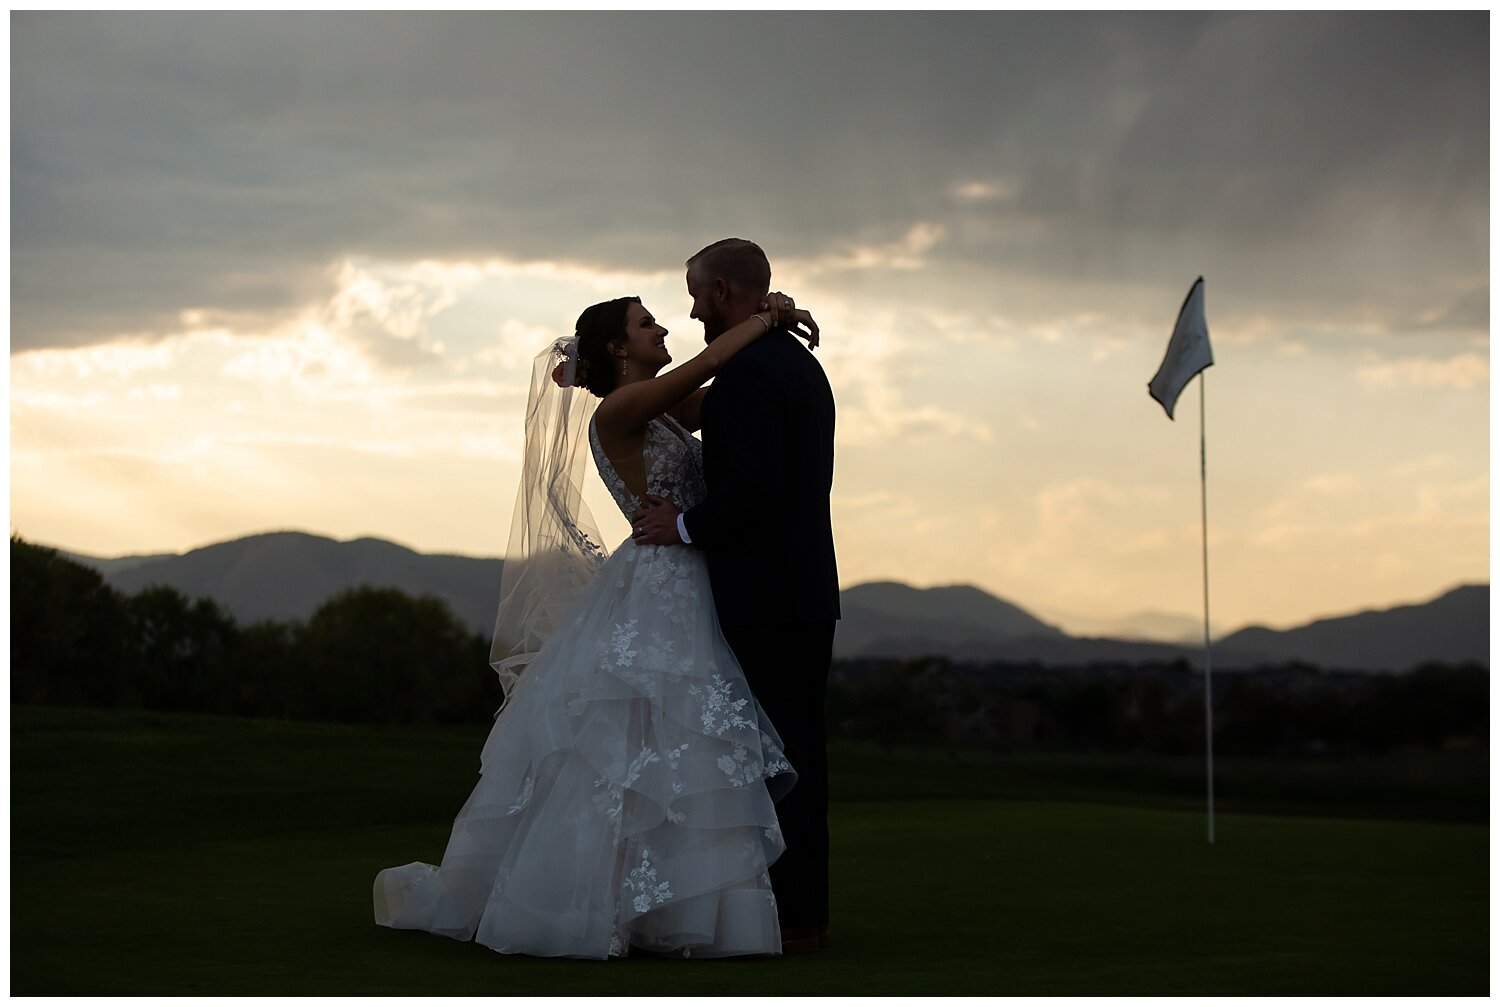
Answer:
(802, 324)
(784, 312)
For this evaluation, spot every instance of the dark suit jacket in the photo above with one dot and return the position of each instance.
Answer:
(765, 527)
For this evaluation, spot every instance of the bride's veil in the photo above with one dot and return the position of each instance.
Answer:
(555, 548)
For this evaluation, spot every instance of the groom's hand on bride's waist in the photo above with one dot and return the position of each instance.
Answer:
(657, 523)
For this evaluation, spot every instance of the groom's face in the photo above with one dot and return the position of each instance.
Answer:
(709, 303)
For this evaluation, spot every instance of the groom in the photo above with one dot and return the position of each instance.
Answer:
(765, 529)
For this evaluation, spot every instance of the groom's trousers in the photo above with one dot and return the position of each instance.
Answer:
(786, 666)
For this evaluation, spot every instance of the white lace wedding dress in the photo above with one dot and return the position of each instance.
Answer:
(626, 795)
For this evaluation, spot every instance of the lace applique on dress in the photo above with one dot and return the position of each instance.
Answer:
(642, 881)
(673, 462)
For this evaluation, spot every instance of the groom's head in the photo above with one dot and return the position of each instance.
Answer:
(728, 281)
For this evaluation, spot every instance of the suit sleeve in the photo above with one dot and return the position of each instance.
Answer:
(744, 454)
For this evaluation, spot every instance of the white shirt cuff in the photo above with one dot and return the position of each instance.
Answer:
(682, 530)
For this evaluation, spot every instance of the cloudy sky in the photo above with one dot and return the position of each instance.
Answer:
(288, 271)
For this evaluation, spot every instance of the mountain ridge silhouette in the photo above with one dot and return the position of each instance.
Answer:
(285, 575)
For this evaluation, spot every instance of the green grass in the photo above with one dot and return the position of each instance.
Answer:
(163, 854)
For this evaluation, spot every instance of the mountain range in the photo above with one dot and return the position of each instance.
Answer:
(285, 575)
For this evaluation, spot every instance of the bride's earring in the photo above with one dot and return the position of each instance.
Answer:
(624, 367)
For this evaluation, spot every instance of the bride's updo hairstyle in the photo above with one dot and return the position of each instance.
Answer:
(599, 326)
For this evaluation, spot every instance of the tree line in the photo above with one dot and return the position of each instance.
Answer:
(375, 655)
(368, 655)
(1157, 707)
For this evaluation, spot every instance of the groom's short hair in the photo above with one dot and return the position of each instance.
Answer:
(738, 260)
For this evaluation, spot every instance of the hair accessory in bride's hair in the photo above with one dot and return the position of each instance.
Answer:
(569, 369)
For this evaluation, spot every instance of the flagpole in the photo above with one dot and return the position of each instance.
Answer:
(1188, 353)
(1208, 667)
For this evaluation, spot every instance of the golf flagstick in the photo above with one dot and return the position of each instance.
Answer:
(1189, 353)
(1208, 664)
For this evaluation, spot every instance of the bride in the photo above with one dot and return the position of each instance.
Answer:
(626, 792)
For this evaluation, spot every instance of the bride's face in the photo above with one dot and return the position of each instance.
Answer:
(645, 342)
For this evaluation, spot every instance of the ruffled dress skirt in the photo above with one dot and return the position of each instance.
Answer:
(627, 790)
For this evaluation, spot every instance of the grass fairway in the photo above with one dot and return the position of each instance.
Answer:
(162, 854)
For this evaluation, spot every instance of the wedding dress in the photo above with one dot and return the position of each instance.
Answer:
(626, 796)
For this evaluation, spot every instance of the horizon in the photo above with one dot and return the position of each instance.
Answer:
(261, 279)
(1062, 621)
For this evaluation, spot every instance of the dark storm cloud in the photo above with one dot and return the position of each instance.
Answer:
(221, 162)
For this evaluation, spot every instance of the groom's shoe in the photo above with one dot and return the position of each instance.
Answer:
(803, 940)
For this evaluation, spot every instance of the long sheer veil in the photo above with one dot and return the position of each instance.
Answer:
(555, 548)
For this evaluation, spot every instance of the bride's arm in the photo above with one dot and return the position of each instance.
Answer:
(633, 406)
(689, 411)
(636, 404)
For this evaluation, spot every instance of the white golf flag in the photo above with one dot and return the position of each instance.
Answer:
(1187, 353)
